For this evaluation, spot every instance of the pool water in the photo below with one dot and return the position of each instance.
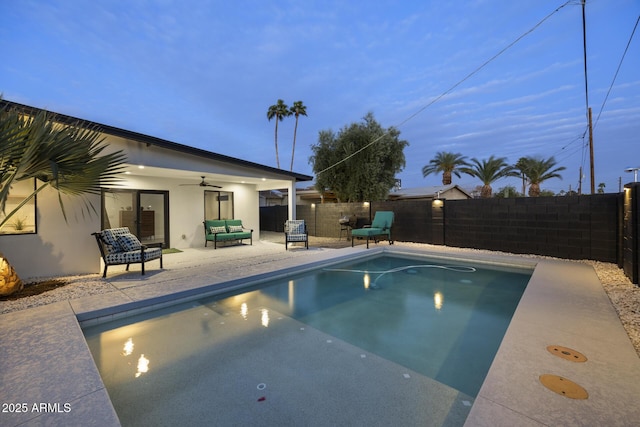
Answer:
(441, 319)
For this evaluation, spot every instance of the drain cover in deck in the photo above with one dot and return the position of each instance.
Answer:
(567, 353)
(563, 386)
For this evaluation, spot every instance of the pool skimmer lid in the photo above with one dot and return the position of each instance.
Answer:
(567, 353)
(563, 386)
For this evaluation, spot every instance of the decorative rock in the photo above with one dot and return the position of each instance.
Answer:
(9, 281)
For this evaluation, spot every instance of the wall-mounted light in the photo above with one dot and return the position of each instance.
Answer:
(140, 166)
(438, 203)
(635, 173)
(313, 205)
(366, 204)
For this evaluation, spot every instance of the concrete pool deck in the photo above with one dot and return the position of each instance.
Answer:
(48, 374)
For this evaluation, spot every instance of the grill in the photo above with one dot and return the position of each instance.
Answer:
(346, 224)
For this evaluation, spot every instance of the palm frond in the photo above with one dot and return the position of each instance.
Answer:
(69, 158)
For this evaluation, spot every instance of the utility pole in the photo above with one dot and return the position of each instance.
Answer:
(593, 175)
(580, 182)
(586, 94)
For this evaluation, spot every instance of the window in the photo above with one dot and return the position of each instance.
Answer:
(24, 220)
(218, 205)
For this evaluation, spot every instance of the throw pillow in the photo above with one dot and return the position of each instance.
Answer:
(235, 229)
(296, 228)
(129, 242)
(216, 230)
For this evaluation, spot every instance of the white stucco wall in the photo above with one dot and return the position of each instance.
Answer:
(58, 248)
(61, 248)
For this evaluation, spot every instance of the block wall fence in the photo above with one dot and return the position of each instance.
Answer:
(600, 227)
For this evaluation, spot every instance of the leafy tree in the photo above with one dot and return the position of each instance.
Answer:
(601, 187)
(278, 111)
(360, 162)
(67, 158)
(507, 192)
(538, 170)
(488, 171)
(447, 163)
(298, 109)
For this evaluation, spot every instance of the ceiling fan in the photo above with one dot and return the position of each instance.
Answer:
(203, 183)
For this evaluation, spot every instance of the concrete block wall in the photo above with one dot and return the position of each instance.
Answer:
(577, 227)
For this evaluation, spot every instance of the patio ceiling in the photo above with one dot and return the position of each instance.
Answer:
(266, 181)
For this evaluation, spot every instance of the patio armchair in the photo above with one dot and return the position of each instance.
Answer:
(381, 226)
(295, 230)
(118, 246)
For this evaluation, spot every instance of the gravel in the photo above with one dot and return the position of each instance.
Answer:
(624, 296)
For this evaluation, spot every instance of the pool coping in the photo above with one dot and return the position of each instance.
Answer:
(564, 304)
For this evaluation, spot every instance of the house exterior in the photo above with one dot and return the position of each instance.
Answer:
(443, 192)
(310, 196)
(167, 190)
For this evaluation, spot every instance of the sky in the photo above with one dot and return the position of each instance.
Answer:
(475, 77)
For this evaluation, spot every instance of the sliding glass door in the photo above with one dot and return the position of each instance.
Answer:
(144, 212)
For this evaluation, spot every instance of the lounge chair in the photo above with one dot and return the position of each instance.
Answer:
(295, 231)
(118, 246)
(381, 226)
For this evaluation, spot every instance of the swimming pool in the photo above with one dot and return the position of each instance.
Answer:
(414, 317)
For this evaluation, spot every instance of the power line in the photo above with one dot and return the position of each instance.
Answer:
(617, 70)
(436, 99)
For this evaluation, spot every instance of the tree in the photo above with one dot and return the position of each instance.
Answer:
(488, 171)
(67, 158)
(447, 163)
(507, 192)
(601, 187)
(279, 111)
(298, 109)
(538, 170)
(360, 162)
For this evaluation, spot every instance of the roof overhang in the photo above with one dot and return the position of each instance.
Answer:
(237, 171)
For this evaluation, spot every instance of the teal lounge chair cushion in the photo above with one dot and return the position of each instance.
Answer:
(381, 226)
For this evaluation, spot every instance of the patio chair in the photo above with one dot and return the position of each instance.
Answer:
(118, 246)
(295, 231)
(381, 226)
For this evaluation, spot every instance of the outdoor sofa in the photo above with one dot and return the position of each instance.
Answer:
(225, 230)
(119, 246)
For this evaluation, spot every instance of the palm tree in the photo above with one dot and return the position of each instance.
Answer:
(447, 163)
(489, 171)
(539, 170)
(279, 111)
(601, 187)
(67, 158)
(297, 110)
